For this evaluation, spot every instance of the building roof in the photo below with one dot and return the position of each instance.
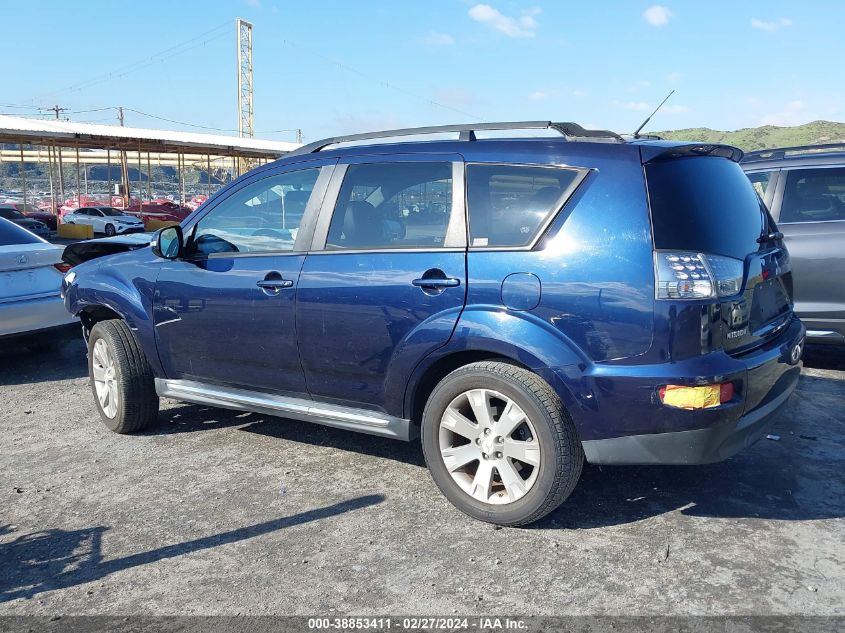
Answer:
(71, 134)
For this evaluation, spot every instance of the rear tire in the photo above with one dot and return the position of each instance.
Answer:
(529, 457)
(121, 379)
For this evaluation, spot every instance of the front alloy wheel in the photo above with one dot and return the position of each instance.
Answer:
(121, 378)
(105, 383)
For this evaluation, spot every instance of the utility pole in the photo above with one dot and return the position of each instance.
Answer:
(245, 112)
(299, 136)
(124, 165)
(57, 111)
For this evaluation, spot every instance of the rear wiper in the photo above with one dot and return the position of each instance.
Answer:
(770, 237)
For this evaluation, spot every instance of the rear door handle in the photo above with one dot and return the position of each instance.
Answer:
(425, 282)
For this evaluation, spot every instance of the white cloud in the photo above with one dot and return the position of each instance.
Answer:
(772, 26)
(674, 109)
(638, 106)
(255, 4)
(657, 15)
(438, 39)
(675, 76)
(523, 26)
(538, 95)
(792, 113)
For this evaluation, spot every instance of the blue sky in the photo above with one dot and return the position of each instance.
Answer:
(330, 67)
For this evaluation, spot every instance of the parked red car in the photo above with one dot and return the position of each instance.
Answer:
(31, 211)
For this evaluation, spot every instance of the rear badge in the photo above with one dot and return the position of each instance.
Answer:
(738, 333)
(795, 355)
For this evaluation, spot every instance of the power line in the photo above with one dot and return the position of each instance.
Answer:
(377, 80)
(156, 58)
(203, 127)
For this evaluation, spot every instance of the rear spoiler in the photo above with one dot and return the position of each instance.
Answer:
(652, 153)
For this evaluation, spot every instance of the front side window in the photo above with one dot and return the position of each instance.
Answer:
(508, 204)
(813, 195)
(262, 217)
(392, 205)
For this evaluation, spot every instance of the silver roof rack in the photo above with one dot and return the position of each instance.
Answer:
(782, 152)
(568, 130)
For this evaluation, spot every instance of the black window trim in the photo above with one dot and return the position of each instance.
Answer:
(580, 175)
(456, 229)
(777, 202)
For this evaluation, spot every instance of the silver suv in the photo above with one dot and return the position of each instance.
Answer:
(804, 188)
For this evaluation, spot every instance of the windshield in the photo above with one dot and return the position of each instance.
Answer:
(704, 205)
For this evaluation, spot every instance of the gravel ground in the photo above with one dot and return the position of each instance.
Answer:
(217, 512)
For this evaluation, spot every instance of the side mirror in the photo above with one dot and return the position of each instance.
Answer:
(168, 242)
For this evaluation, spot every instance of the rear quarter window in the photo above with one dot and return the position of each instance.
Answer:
(705, 205)
(509, 204)
(11, 234)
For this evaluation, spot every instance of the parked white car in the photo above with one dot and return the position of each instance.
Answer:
(31, 271)
(106, 220)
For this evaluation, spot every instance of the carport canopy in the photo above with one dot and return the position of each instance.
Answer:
(20, 130)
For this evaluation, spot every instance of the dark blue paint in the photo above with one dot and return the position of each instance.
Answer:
(579, 309)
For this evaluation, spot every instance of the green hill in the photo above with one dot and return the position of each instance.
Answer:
(766, 136)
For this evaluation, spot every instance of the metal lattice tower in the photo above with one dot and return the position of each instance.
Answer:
(245, 123)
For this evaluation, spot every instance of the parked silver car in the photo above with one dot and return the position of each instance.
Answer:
(31, 273)
(804, 188)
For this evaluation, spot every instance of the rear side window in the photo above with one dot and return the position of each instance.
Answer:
(393, 205)
(11, 234)
(814, 195)
(704, 205)
(509, 204)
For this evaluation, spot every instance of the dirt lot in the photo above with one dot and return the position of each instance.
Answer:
(215, 512)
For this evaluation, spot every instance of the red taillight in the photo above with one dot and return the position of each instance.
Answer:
(62, 267)
(726, 392)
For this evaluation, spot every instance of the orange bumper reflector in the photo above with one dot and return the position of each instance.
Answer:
(702, 397)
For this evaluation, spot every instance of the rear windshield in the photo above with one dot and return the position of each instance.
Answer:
(13, 234)
(704, 204)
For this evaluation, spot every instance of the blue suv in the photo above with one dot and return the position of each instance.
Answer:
(521, 304)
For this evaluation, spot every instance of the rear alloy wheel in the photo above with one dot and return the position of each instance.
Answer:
(499, 444)
(110, 230)
(121, 378)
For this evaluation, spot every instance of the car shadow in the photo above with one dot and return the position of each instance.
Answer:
(824, 357)
(26, 361)
(796, 474)
(775, 479)
(56, 559)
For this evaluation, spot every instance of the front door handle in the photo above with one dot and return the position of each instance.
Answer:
(273, 283)
(426, 282)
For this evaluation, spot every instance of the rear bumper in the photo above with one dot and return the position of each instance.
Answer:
(700, 446)
(26, 317)
(656, 434)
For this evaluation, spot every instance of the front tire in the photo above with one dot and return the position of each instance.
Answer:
(121, 378)
(499, 444)
(110, 230)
